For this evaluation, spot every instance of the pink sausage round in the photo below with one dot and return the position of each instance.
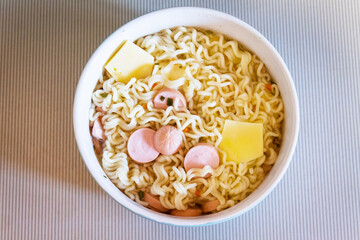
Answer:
(200, 155)
(168, 140)
(141, 146)
(98, 130)
(154, 202)
(190, 212)
(167, 97)
(210, 205)
(98, 145)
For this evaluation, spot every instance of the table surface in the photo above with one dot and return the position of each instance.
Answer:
(46, 191)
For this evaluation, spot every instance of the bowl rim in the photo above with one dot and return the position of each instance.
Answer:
(165, 218)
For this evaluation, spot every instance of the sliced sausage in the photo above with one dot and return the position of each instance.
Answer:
(98, 145)
(154, 202)
(141, 146)
(169, 97)
(190, 212)
(168, 140)
(154, 209)
(210, 205)
(200, 155)
(98, 130)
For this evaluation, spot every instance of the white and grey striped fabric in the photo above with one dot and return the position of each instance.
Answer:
(45, 189)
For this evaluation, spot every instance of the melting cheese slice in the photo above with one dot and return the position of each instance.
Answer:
(242, 141)
(130, 61)
(177, 71)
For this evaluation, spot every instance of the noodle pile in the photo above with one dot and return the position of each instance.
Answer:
(221, 81)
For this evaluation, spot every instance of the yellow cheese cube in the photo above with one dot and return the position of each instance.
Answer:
(130, 61)
(242, 141)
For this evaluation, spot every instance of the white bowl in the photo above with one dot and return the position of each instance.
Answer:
(206, 19)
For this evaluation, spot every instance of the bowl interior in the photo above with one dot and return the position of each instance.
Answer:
(201, 18)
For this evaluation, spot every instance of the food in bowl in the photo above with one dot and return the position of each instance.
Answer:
(186, 121)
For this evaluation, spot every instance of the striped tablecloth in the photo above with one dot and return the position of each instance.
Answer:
(46, 191)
